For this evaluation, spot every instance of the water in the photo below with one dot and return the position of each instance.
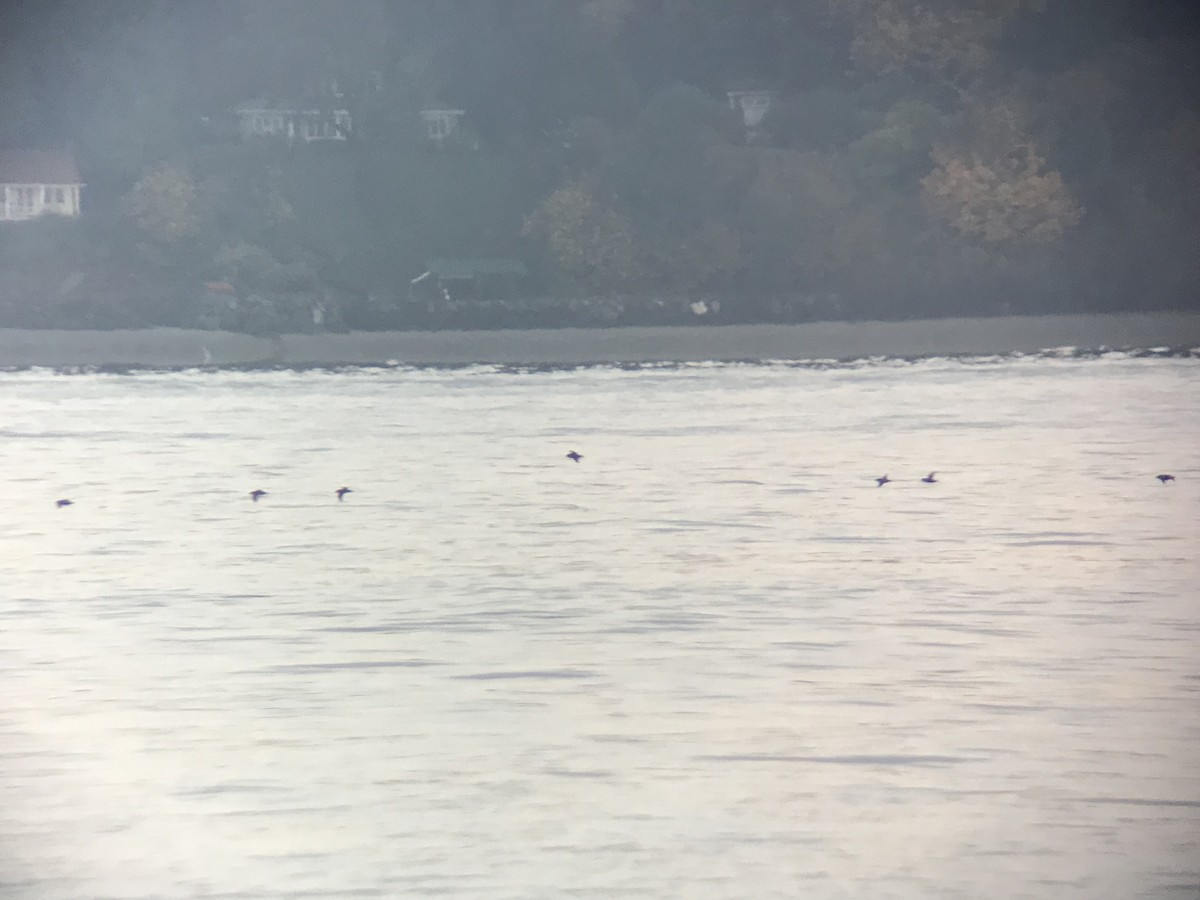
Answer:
(711, 660)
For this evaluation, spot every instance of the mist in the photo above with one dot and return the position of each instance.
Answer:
(271, 167)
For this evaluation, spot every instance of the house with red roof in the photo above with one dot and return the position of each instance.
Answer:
(33, 182)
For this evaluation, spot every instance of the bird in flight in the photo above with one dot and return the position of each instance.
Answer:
(1165, 478)
(342, 492)
(61, 503)
(880, 482)
(255, 494)
(929, 479)
(574, 456)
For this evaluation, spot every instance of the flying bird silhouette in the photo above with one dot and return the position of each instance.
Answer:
(61, 503)
(574, 456)
(255, 494)
(342, 492)
(929, 479)
(1165, 478)
(880, 482)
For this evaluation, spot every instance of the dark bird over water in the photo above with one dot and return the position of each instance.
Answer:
(1165, 478)
(575, 456)
(342, 492)
(880, 482)
(61, 503)
(929, 479)
(254, 495)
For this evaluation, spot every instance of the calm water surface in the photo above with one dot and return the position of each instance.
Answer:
(712, 660)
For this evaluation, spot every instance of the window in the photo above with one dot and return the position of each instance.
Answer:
(46, 194)
(440, 123)
(58, 195)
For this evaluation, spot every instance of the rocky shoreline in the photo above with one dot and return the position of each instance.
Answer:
(182, 348)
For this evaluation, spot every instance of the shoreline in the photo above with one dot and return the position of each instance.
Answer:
(183, 348)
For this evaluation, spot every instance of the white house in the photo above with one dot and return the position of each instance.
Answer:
(33, 182)
(753, 104)
(258, 118)
(441, 123)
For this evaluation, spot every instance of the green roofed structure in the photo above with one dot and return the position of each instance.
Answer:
(468, 278)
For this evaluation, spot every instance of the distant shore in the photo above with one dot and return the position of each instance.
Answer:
(180, 348)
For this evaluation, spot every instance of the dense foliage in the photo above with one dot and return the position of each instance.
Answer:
(922, 157)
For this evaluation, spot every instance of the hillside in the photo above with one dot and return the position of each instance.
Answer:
(924, 159)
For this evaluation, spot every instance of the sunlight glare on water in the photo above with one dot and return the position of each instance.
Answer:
(710, 660)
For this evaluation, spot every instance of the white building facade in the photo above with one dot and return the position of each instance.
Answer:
(441, 123)
(258, 120)
(35, 182)
(754, 106)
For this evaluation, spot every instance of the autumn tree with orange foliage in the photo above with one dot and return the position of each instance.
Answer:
(945, 38)
(993, 185)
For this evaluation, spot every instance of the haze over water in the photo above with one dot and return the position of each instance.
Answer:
(711, 660)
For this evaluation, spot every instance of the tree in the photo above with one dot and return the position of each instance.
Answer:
(995, 186)
(586, 242)
(898, 151)
(162, 204)
(951, 39)
(788, 216)
(672, 167)
(1000, 201)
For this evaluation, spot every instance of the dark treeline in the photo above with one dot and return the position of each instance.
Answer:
(919, 158)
